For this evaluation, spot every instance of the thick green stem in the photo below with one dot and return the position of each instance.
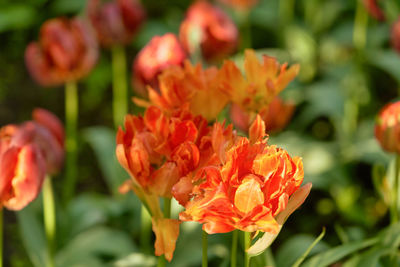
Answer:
(360, 26)
(49, 212)
(395, 200)
(1, 237)
(286, 11)
(234, 247)
(204, 237)
(247, 242)
(245, 29)
(145, 234)
(71, 144)
(120, 88)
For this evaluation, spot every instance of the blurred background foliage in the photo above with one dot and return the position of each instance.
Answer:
(344, 80)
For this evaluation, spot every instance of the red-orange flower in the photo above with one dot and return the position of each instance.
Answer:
(240, 4)
(374, 10)
(208, 28)
(276, 115)
(262, 82)
(116, 21)
(387, 128)
(160, 53)
(157, 150)
(67, 51)
(189, 85)
(248, 189)
(395, 35)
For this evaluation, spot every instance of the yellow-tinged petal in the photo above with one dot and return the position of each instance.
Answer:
(166, 231)
(249, 194)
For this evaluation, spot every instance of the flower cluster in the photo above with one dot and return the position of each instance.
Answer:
(27, 152)
(223, 180)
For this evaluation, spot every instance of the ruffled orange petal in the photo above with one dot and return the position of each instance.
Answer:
(166, 231)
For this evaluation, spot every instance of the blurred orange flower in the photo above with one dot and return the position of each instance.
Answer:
(209, 29)
(240, 4)
(262, 82)
(248, 189)
(276, 115)
(67, 51)
(160, 53)
(189, 85)
(374, 10)
(27, 153)
(116, 21)
(387, 127)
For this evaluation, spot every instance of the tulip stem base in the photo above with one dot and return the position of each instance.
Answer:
(234, 247)
(49, 218)
(145, 234)
(204, 242)
(247, 242)
(120, 88)
(71, 143)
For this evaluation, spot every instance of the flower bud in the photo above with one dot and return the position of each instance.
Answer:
(160, 53)
(387, 127)
(66, 51)
(116, 21)
(210, 30)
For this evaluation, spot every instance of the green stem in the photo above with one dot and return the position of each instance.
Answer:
(204, 237)
(394, 206)
(49, 212)
(234, 247)
(269, 257)
(360, 26)
(1, 237)
(120, 90)
(245, 29)
(71, 121)
(247, 242)
(286, 11)
(145, 234)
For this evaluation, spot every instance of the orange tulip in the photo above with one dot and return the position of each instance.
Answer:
(157, 150)
(240, 4)
(160, 53)
(387, 127)
(22, 171)
(374, 10)
(209, 29)
(248, 189)
(262, 82)
(116, 21)
(67, 51)
(276, 116)
(189, 85)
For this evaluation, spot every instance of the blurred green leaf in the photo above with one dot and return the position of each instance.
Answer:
(16, 17)
(293, 248)
(313, 244)
(387, 60)
(102, 140)
(334, 254)
(33, 236)
(68, 6)
(97, 242)
(136, 260)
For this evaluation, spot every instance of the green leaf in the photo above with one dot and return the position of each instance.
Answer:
(98, 242)
(33, 236)
(302, 258)
(16, 17)
(136, 260)
(334, 254)
(102, 140)
(387, 60)
(292, 249)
